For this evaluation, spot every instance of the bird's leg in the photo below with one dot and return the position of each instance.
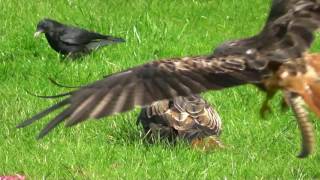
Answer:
(306, 128)
(265, 108)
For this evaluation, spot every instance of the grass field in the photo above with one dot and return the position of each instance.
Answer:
(112, 147)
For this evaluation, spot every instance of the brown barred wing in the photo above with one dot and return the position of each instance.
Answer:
(155, 123)
(185, 117)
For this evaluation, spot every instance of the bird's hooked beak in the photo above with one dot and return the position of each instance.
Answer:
(37, 33)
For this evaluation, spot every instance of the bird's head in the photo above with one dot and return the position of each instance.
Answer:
(45, 26)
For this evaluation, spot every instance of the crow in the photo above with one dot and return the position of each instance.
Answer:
(71, 41)
(188, 118)
(264, 60)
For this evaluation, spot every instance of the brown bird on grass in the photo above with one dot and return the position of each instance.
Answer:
(263, 60)
(189, 118)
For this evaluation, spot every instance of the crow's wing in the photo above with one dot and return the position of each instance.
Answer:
(78, 36)
(145, 84)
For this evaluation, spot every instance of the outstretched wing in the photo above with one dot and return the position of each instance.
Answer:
(278, 9)
(292, 34)
(287, 33)
(145, 84)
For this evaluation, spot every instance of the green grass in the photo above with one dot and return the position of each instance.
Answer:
(112, 148)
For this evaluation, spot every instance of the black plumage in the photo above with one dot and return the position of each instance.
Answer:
(71, 41)
(285, 38)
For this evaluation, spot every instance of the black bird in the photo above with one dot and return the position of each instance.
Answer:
(71, 41)
(189, 118)
(263, 60)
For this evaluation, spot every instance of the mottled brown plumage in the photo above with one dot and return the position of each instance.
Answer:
(190, 118)
(299, 79)
(286, 36)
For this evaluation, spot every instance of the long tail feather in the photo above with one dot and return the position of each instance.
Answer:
(103, 42)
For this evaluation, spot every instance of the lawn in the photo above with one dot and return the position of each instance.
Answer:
(112, 148)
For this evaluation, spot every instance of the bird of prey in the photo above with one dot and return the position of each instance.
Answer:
(71, 41)
(189, 118)
(263, 60)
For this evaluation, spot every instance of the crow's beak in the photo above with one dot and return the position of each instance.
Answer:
(37, 33)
